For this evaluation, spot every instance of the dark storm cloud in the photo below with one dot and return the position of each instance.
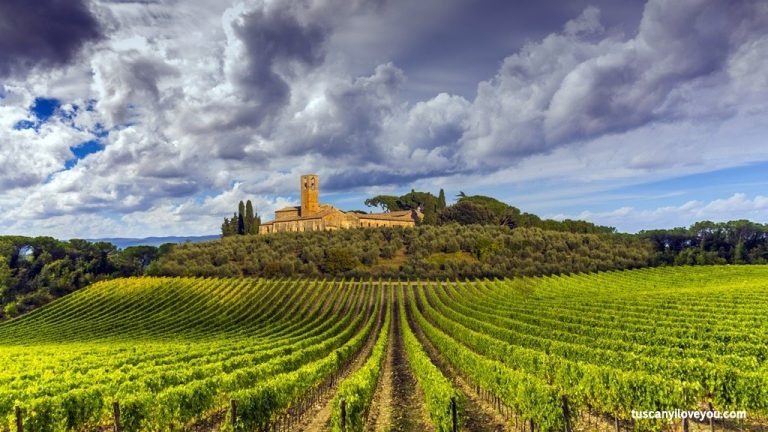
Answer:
(282, 42)
(463, 42)
(146, 72)
(43, 33)
(356, 178)
(275, 42)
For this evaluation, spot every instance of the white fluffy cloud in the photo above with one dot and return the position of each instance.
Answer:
(200, 97)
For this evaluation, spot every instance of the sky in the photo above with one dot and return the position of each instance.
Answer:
(136, 118)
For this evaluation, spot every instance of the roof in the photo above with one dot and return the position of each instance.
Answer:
(395, 215)
(290, 208)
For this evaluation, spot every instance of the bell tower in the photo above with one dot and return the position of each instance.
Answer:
(310, 189)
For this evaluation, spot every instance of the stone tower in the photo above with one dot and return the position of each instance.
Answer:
(310, 189)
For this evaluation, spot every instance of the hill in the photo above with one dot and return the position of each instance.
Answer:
(123, 242)
(562, 352)
(447, 251)
(167, 349)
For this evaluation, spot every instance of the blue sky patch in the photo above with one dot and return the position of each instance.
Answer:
(26, 124)
(748, 179)
(42, 109)
(706, 186)
(82, 150)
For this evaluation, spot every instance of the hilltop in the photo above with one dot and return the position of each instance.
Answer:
(447, 251)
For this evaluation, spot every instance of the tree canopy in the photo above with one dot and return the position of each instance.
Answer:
(36, 270)
(706, 242)
(244, 222)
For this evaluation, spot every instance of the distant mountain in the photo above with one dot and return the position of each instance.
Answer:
(123, 243)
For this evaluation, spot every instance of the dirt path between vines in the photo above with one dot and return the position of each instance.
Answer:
(400, 406)
(318, 417)
(479, 415)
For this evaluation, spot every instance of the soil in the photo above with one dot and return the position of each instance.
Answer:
(407, 410)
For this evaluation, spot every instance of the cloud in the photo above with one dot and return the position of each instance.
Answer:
(43, 33)
(256, 93)
(588, 23)
(271, 44)
(583, 84)
(344, 120)
(192, 216)
(31, 155)
(275, 46)
(127, 85)
(630, 219)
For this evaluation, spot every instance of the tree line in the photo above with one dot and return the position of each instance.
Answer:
(706, 242)
(426, 251)
(36, 270)
(477, 210)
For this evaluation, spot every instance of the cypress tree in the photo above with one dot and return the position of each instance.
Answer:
(241, 218)
(257, 224)
(441, 200)
(225, 228)
(240, 224)
(249, 219)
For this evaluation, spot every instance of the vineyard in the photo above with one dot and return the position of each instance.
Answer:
(558, 353)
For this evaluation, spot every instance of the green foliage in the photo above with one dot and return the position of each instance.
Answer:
(241, 218)
(229, 226)
(386, 202)
(357, 389)
(425, 202)
(484, 210)
(441, 200)
(134, 260)
(260, 404)
(5, 275)
(468, 213)
(173, 351)
(494, 206)
(244, 222)
(204, 351)
(339, 260)
(36, 270)
(734, 242)
(438, 391)
(497, 251)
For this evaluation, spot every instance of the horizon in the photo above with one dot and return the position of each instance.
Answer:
(139, 119)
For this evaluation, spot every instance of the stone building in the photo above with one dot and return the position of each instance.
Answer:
(313, 216)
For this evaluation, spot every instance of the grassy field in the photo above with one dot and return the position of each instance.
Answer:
(553, 353)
